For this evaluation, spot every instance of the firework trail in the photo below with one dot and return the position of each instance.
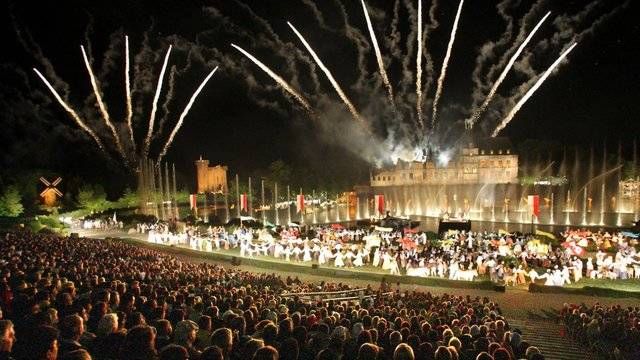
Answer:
(445, 64)
(71, 112)
(376, 48)
(394, 37)
(433, 24)
(154, 106)
(127, 82)
(504, 73)
(531, 91)
(277, 78)
(419, 67)
(184, 114)
(326, 71)
(361, 44)
(101, 105)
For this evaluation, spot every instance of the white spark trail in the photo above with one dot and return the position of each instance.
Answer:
(128, 92)
(71, 112)
(101, 106)
(376, 48)
(506, 70)
(277, 78)
(184, 114)
(445, 64)
(154, 106)
(531, 91)
(326, 71)
(419, 67)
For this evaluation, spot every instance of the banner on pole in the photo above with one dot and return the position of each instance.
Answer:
(379, 203)
(300, 202)
(243, 202)
(193, 201)
(534, 204)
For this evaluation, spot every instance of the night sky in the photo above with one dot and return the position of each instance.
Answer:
(243, 120)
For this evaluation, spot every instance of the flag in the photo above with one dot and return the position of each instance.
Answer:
(378, 200)
(299, 202)
(534, 204)
(547, 234)
(243, 202)
(193, 201)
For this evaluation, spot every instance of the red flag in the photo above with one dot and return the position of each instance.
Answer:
(193, 201)
(534, 204)
(299, 202)
(243, 202)
(379, 203)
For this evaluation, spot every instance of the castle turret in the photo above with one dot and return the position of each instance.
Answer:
(202, 167)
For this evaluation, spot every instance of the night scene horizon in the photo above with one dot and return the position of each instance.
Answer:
(418, 179)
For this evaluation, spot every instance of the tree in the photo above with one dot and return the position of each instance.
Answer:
(129, 199)
(10, 202)
(279, 172)
(93, 198)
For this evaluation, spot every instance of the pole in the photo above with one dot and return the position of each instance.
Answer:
(275, 203)
(288, 204)
(264, 216)
(175, 192)
(226, 206)
(238, 196)
(249, 199)
(302, 209)
(206, 209)
(167, 190)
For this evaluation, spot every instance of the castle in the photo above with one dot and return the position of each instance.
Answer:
(491, 163)
(210, 179)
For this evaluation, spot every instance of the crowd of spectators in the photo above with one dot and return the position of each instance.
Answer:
(611, 331)
(76, 298)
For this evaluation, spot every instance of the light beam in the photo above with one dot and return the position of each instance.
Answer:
(531, 91)
(419, 68)
(101, 105)
(504, 73)
(326, 71)
(277, 78)
(376, 48)
(154, 106)
(184, 114)
(445, 64)
(71, 112)
(127, 82)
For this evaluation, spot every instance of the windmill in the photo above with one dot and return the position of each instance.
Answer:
(50, 194)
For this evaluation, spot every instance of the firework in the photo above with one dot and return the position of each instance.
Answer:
(277, 78)
(154, 105)
(101, 105)
(445, 64)
(504, 73)
(531, 91)
(376, 48)
(184, 114)
(419, 67)
(127, 87)
(326, 71)
(71, 112)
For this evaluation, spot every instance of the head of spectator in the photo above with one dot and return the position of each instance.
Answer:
(174, 352)
(80, 354)
(108, 324)
(223, 338)
(185, 333)
(140, 343)
(212, 353)
(7, 336)
(43, 344)
(266, 353)
(403, 352)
